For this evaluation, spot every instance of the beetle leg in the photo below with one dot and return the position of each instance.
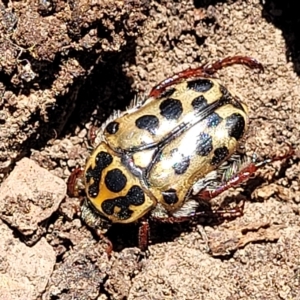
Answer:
(227, 213)
(144, 230)
(205, 70)
(75, 183)
(250, 62)
(91, 136)
(172, 220)
(241, 176)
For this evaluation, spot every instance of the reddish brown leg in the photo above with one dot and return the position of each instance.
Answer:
(173, 220)
(250, 62)
(234, 212)
(74, 184)
(206, 70)
(92, 135)
(74, 187)
(144, 230)
(226, 213)
(229, 213)
(242, 176)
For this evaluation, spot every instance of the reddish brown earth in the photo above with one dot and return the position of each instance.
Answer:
(66, 65)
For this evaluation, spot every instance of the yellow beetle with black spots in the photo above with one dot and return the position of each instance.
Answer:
(167, 152)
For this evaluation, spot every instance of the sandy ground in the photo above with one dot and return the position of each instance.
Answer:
(66, 65)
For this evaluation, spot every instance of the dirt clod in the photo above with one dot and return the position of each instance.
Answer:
(29, 196)
(24, 271)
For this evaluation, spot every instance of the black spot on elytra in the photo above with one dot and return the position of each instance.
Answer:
(200, 85)
(115, 180)
(199, 103)
(103, 160)
(112, 127)
(204, 144)
(182, 166)
(147, 122)
(213, 120)
(168, 93)
(226, 97)
(219, 155)
(170, 196)
(235, 124)
(171, 109)
(135, 196)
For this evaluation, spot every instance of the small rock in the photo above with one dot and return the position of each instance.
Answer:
(29, 196)
(24, 271)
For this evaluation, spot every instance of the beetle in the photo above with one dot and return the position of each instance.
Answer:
(167, 152)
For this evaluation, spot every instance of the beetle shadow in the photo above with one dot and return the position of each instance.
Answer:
(206, 3)
(105, 89)
(285, 16)
(126, 235)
